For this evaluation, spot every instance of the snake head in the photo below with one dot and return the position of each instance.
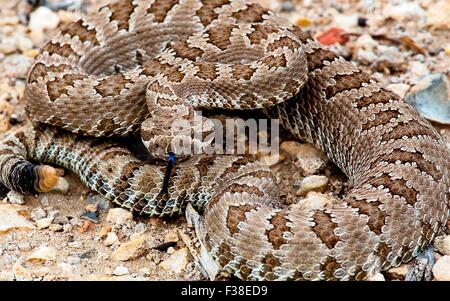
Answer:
(183, 137)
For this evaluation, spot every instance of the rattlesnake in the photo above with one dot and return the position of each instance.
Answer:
(93, 79)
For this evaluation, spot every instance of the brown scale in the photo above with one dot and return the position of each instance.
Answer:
(275, 61)
(372, 209)
(206, 70)
(112, 85)
(254, 13)
(121, 12)
(261, 32)
(235, 215)
(283, 42)
(160, 8)
(183, 50)
(243, 71)
(275, 235)
(220, 36)
(324, 227)
(77, 29)
(58, 87)
(62, 50)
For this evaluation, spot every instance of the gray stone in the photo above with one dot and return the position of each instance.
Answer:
(430, 98)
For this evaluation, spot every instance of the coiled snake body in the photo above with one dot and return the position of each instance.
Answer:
(137, 64)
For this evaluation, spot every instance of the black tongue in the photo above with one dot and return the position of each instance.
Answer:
(170, 165)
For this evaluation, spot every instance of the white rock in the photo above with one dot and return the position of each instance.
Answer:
(418, 69)
(118, 216)
(21, 273)
(442, 244)
(438, 15)
(366, 56)
(177, 261)
(15, 198)
(24, 246)
(272, 159)
(308, 158)
(404, 11)
(312, 183)
(172, 235)
(120, 271)
(347, 22)
(390, 55)
(130, 250)
(441, 269)
(400, 89)
(399, 272)
(73, 260)
(43, 18)
(366, 42)
(44, 222)
(10, 218)
(315, 200)
(37, 214)
(376, 277)
(75, 244)
(67, 228)
(41, 272)
(55, 227)
(111, 238)
(43, 254)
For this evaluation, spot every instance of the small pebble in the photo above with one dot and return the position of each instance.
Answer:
(120, 271)
(177, 261)
(15, 198)
(303, 22)
(131, 250)
(441, 269)
(400, 89)
(376, 277)
(55, 227)
(21, 273)
(73, 259)
(399, 272)
(118, 216)
(43, 254)
(315, 200)
(312, 183)
(306, 156)
(44, 223)
(111, 238)
(442, 244)
(362, 21)
(104, 231)
(155, 221)
(67, 228)
(171, 236)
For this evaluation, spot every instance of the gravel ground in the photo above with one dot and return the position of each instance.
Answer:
(401, 43)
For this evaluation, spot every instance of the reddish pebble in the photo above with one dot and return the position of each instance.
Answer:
(332, 36)
(155, 221)
(87, 225)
